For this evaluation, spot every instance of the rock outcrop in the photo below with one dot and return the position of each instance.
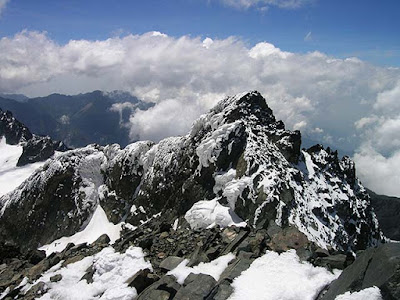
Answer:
(35, 148)
(378, 267)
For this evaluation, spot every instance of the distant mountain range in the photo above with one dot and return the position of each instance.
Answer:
(76, 120)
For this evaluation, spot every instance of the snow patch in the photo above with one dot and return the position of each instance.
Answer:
(283, 276)
(12, 176)
(112, 271)
(97, 226)
(372, 293)
(175, 225)
(213, 268)
(207, 214)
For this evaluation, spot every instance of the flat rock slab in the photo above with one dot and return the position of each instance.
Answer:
(196, 287)
(171, 262)
(378, 267)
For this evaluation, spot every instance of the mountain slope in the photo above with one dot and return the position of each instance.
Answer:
(233, 210)
(21, 151)
(237, 159)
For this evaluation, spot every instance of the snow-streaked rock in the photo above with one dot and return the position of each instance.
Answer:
(238, 160)
(111, 273)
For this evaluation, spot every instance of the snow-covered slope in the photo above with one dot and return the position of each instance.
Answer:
(237, 157)
(12, 176)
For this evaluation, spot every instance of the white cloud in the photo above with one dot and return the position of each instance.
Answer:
(120, 108)
(3, 4)
(317, 130)
(264, 49)
(365, 121)
(264, 4)
(379, 173)
(389, 99)
(378, 157)
(185, 76)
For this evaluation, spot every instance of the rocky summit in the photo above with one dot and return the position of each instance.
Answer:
(190, 215)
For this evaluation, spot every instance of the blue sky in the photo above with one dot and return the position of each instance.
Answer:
(362, 28)
(330, 68)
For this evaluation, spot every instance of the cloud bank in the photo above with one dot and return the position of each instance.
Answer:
(347, 103)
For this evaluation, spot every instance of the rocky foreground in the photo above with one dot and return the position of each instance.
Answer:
(196, 215)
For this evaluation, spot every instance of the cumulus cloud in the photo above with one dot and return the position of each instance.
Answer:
(3, 4)
(389, 99)
(379, 173)
(120, 108)
(264, 4)
(378, 157)
(347, 103)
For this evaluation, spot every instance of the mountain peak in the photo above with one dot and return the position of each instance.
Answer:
(237, 166)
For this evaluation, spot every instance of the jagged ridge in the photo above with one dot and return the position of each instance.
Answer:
(35, 148)
(237, 155)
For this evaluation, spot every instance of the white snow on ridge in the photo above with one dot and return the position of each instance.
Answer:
(12, 176)
(97, 226)
(210, 213)
(112, 271)
(276, 276)
(309, 164)
(372, 293)
(209, 149)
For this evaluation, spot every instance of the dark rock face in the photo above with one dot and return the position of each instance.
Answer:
(13, 130)
(387, 211)
(39, 149)
(378, 267)
(55, 202)
(141, 280)
(35, 148)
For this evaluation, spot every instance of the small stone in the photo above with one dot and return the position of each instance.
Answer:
(158, 295)
(72, 260)
(161, 255)
(228, 235)
(88, 275)
(164, 234)
(171, 262)
(321, 252)
(56, 278)
(104, 239)
(141, 280)
(35, 256)
(196, 286)
(79, 247)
